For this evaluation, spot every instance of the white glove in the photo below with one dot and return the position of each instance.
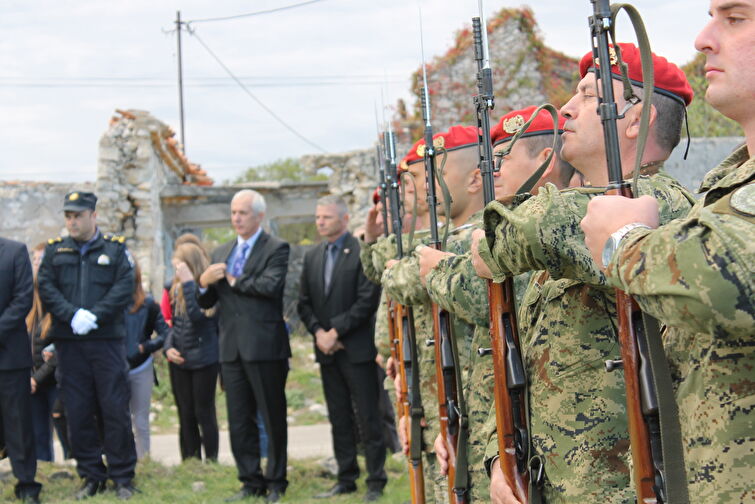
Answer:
(83, 321)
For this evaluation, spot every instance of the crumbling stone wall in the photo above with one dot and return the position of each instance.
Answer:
(32, 212)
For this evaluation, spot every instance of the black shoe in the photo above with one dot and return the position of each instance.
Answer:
(246, 493)
(124, 491)
(30, 499)
(274, 495)
(338, 489)
(90, 488)
(372, 495)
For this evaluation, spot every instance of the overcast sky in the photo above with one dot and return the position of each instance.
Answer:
(67, 65)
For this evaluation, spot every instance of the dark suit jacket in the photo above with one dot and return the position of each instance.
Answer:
(251, 312)
(349, 306)
(16, 297)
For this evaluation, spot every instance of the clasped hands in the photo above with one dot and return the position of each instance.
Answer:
(214, 273)
(83, 321)
(327, 341)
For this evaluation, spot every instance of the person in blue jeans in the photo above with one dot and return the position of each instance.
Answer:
(143, 319)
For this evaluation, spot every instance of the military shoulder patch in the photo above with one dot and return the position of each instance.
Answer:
(743, 200)
(115, 238)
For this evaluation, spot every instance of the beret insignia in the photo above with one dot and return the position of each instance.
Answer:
(438, 143)
(513, 124)
(611, 55)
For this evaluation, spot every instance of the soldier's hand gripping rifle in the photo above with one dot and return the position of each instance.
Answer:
(657, 465)
(406, 339)
(509, 388)
(454, 423)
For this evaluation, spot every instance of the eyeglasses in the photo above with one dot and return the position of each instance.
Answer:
(499, 159)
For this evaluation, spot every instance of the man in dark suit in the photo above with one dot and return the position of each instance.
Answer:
(246, 281)
(337, 303)
(16, 295)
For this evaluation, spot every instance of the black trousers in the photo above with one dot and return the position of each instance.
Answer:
(194, 392)
(251, 387)
(15, 413)
(344, 383)
(94, 381)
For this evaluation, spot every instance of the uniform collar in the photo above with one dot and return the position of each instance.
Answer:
(728, 173)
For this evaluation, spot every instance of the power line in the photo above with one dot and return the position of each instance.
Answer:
(250, 14)
(253, 97)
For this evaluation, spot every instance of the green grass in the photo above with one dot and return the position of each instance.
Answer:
(159, 483)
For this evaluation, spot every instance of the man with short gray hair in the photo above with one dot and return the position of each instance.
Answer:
(337, 304)
(246, 281)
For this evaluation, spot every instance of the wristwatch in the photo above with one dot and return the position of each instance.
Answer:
(613, 241)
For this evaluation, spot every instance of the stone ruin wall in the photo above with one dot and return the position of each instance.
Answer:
(525, 72)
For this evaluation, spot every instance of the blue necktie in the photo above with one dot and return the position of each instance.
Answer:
(330, 262)
(238, 263)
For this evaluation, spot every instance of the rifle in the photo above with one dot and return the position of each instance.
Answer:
(406, 340)
(654, 480)
(452, 414)
(510, 380)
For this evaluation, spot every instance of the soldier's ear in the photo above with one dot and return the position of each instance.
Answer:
(475, 181)
(633, 115)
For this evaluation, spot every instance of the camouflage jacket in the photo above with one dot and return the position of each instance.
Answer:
(476, 371)
(374, 261)
(567, 327)
(695, 275)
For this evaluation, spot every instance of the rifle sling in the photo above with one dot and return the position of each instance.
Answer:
(416, 411)
(671, 434)
(671, 439)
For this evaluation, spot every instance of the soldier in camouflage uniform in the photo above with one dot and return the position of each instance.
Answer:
(375, 253)
(457, 154)
(453, 284)
(695, 275)
(578, 427)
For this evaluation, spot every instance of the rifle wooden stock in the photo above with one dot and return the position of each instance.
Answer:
(416, 473)
(501, 302)
(395, 352)
(630, 321)
(643, 470)
(638, 390)
(448, 432)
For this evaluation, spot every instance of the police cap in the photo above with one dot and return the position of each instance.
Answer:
(77, 201)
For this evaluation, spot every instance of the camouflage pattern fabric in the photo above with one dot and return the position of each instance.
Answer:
(382, 339)
(567, 325)
(403, 279)
(696, 276)
(373, 264)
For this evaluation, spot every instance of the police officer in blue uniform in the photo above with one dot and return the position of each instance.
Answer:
(86, 281)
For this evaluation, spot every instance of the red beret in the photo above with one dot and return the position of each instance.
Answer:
(457, 137)
(513, 122)
(669, 79)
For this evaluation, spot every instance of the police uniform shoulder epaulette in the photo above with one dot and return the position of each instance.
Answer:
(114, 238)
(54, 240)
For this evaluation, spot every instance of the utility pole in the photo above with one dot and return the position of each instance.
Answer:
(179, 26)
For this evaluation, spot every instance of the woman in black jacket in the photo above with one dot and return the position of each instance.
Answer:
(143, 319)
(192, 349)
(43, 384)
